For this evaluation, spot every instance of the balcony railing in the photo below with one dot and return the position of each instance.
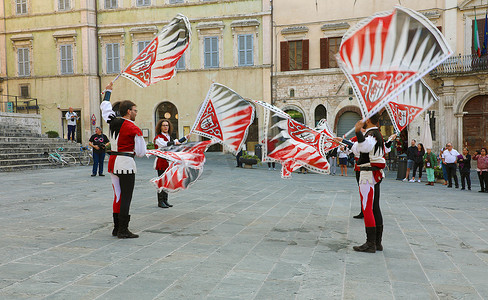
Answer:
(462, 64)
(17, 104)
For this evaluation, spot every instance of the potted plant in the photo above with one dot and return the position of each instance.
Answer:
(248, 160)
(438, 174)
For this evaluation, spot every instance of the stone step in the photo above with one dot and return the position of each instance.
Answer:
(38, 149)
(18, 155)
(24, 161)
(13, 168)
(25, 139)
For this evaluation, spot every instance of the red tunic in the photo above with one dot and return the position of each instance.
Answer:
(161, 163)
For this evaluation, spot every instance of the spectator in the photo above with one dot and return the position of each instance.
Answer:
(481, 158)
(98, 142)
(342, 153)
(333, 161)
(411, 154)
(430, 161)
(464, 161)
(418, 162)
(443, 166)
(449, 157)
(71, 118)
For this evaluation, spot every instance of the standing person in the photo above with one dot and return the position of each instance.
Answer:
(71, 118)
(481, 158)
(126, 142)
(430, 161)
(443, 166)
(98, 142)
(342, 153)
(411, 154)
(238, 156)
(449, 157)
(371, 150)
(418, 162)
(163, 139)
(464, 161)
(333, 161)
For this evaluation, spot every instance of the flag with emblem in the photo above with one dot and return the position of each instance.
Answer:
(386, 53)
(158, 60)
(409, 104)
(225, 117)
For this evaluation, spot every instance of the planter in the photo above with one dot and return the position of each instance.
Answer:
(248, 162)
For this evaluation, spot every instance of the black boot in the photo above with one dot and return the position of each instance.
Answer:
(161, 200)
(370, 245)
(165, 199)
(379, 235)
(360, 216)
(124, 232)
(116, 224)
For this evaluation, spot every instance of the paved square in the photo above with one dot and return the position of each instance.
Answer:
(238, 234)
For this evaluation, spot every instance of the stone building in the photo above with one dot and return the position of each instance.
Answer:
(64, 52)
(308, 84)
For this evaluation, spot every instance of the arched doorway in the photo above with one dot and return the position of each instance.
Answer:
(475, 123)
(167, 110)
(386, 126)
(320, 113)
(347, 121)
(296, 115)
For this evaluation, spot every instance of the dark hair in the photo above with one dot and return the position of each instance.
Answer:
(421, 147)
(486, 151)
(375, 118)
(124, 106)
(467, 150)
(160, 123)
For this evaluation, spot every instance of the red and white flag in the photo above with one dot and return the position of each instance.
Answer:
(225, 117)
(386, 53)
(409, 104)
(185, 165)
(158, 60)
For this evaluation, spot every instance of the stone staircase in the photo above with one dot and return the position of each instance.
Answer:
(22, 148)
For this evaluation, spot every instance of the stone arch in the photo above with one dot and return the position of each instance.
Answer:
(296, 108)
(320, 112)
(474, 123)
(167, 110)
(349, 108)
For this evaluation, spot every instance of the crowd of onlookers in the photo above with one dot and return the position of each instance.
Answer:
(450, 162)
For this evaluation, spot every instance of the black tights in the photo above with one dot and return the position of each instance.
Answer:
(162, 193)
(126, 188)
(483, 177)
(419, 166)
(378, 217)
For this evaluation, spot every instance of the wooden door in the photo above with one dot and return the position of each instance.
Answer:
(475, 123)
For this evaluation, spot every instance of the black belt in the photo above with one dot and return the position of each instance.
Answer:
(369, 168)
(121, 153)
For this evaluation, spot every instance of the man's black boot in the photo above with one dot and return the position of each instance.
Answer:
(161, 200)
(116, 224)
(165, 199)
(370, 245)
(360, 216)
(124, 232)
(379, 236)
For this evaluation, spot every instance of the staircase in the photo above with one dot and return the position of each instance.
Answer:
(21, 148)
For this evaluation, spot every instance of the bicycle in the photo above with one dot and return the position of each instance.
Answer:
(61, 158)
(85, 156)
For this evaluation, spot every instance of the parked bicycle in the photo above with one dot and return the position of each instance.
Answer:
(85, 157)
(58, 158)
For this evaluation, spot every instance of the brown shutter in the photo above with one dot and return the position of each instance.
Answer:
(285, 56)
(305, 48)
(324, 53)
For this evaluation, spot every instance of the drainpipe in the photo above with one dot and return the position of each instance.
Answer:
(5, 35)
(98, 51)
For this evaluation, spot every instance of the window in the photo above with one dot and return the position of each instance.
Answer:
(211, 52)
(23, 59)
(20, 7)
(432, 123)
(294, 55)
(142, 45)
(143, 2)
(246, 51)
(113, 58)
(24, 91)
(328, 48)
(109, 4)
(66, 56)
(175, 1)
(64, 5)
(180, 65)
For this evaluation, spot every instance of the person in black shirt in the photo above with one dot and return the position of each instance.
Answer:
(412, 152)
(98, 142)
(464, 163)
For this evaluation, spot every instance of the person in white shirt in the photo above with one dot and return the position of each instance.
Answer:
(342, 153)
(449, 157)
(71, 117)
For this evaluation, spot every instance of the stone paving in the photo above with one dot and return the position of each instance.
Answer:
(238, 234)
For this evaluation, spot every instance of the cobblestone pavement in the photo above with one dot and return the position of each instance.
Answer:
(238, 234)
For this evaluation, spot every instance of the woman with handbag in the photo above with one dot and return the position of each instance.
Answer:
(430, 161)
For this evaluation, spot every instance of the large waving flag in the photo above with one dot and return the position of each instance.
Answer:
(386, 53)
(158, 60)
(409, 104)
(295, 145)
(185, 165)
(225, 117)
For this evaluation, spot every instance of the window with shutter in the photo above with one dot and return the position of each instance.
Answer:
(284, 56)
(211, 52)
(245, 49)
(143, 2)
(110, 4)
(64, 5)
(66, 56)
(20, 7)
(113, 58)
(23, 61)
(180, 65)
(142, 45)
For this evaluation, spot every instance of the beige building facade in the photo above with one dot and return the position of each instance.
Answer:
(64, 52)
(308, 83)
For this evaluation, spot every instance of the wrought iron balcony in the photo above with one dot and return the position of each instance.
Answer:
(461, 65)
